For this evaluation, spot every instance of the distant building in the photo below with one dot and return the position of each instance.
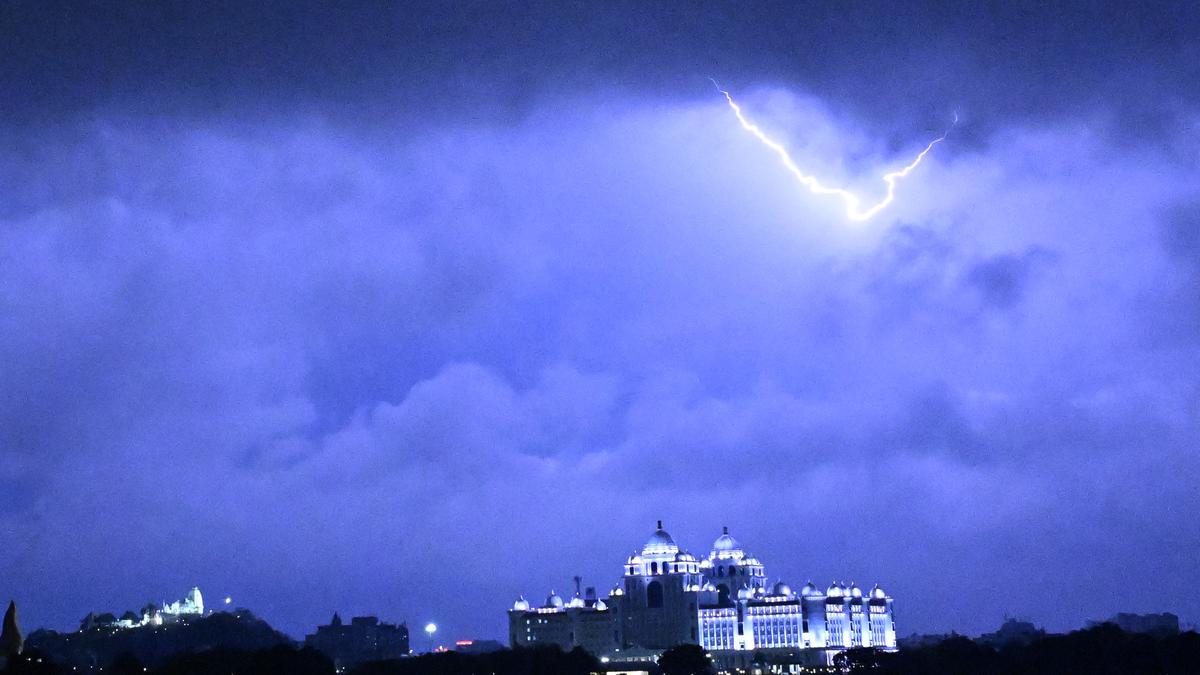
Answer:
(363, 639)
(1012, 632)
(723, 603)
(478, 646)
(923, 640)
(1162, 625)
(629, 668)
(192, 605)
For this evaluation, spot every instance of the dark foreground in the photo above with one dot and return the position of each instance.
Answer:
(1103, 650)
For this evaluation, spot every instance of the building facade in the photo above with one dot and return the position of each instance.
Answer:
(723, 602)
(364, 639)
(191, 606)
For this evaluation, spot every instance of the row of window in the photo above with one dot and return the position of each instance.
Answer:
(667, 568)
(739, 571)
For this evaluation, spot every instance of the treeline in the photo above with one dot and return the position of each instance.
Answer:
(279, 660)
(1102, 650)
(286, 660)
(539, 661)
(153, 646)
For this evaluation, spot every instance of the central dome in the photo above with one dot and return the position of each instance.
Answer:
(726, 547)
(725, 542)
(660, 543)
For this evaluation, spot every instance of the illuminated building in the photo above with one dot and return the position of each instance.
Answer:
(723, 603)
(192, 605)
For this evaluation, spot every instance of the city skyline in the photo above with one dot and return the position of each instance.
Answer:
(402, 310)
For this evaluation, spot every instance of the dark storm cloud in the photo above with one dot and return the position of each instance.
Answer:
(470, 60)
(1181, 234)
(1001, 280)
(411, 327)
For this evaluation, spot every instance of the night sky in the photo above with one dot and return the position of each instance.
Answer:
(408, 310)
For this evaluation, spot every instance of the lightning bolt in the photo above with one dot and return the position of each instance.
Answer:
(854, 207)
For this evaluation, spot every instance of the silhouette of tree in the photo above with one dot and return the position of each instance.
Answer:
(857, 660)
(10, 635)
(686, 660)
(535, 661)
(1100, 650)
(33, 662)
(154, 645)
(279, 660)
(126, 664)
(1182, 654)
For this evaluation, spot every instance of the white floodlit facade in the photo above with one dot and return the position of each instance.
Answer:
(191, 605)
(722, 602)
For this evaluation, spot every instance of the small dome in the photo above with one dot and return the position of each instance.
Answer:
(781, 589)
(660, 543)
(877, 593)
(617, 591)
(855, 591)
(575, 602)
(745, 593)
(554, 600)
(710, 587)
(600, 606)
(810, 589)
(835, 591)
(725, 542)
(521, 605)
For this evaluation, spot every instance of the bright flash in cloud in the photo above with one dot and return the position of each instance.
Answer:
(854, 206)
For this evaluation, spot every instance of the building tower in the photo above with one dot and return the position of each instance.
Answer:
(730, 570)
(662, 583)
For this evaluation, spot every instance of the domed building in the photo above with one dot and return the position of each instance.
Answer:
(722, 602)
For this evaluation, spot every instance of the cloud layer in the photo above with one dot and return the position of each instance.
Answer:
(316, 365)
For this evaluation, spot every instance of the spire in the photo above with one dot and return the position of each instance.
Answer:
(10, 637)
(336, 620)
(660, 524)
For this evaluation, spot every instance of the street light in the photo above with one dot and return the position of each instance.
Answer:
(430, 629)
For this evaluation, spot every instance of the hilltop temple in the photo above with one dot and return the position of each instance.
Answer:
(723, 603)
(191, 605)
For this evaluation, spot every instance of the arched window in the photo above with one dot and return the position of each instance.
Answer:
(654, 595)
(653, 568)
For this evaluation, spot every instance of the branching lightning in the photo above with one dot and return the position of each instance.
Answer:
(854, 208)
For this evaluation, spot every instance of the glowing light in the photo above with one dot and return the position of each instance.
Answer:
(431, 628)
(854, 207)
